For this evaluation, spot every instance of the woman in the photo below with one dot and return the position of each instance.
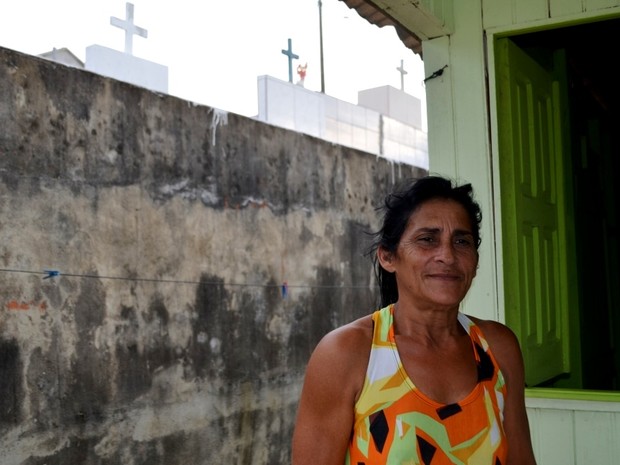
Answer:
(418, 382)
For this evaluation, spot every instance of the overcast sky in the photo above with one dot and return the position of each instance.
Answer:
(216, 49)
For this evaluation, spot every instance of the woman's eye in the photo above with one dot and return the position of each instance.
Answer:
(463, 242)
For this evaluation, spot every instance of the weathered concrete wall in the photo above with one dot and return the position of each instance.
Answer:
(167, 338)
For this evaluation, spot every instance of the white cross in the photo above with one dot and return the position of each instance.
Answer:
(129, 27)
(401, 70)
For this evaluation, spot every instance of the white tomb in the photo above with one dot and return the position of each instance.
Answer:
(386, 122)
(124, 66)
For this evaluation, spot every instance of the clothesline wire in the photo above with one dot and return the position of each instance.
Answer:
(54, 274)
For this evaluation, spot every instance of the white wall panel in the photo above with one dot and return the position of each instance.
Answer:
(497, 13)
(597, 438)
(552, 436)
(521, 13)
(530, 10)
(559, 8)
(594, 5)
(574, 432)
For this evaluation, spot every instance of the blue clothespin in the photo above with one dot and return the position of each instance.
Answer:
(51, 273)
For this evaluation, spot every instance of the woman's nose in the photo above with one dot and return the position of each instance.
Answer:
(446, 252)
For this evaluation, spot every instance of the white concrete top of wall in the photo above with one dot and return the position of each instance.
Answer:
(293, 107)
(127, 68)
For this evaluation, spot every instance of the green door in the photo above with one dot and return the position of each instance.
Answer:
(534, 216)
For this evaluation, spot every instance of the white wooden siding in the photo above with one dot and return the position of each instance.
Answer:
(501, 13)
(570, 432)
(564, 432)
(460, 150)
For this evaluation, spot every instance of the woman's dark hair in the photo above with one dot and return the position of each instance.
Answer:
(398, 208)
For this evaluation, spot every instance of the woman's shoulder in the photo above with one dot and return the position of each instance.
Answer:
(348, 339)
(342, 356)
(494, 331)
(503, 343)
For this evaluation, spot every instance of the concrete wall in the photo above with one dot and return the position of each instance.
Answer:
(167, 337)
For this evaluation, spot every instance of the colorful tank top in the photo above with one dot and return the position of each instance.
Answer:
(396, 424)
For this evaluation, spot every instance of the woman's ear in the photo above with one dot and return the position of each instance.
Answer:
(386, 259)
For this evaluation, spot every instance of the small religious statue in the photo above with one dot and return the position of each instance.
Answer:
(301, 70)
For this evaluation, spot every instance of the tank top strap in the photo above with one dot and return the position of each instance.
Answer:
(382, 320)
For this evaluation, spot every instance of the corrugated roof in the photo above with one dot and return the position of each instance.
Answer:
(375, 15)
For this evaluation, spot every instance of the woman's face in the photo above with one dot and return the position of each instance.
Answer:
(436, 258)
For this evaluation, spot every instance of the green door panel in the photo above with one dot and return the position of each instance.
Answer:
(532, 204)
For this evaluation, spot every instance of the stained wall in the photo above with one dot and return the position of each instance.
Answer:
(165, 270)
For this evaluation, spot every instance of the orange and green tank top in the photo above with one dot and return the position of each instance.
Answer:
(396, 424)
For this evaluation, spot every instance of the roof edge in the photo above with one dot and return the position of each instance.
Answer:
(378, 17)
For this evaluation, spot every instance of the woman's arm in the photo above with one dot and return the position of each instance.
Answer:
(334, 377)
(506, 350)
